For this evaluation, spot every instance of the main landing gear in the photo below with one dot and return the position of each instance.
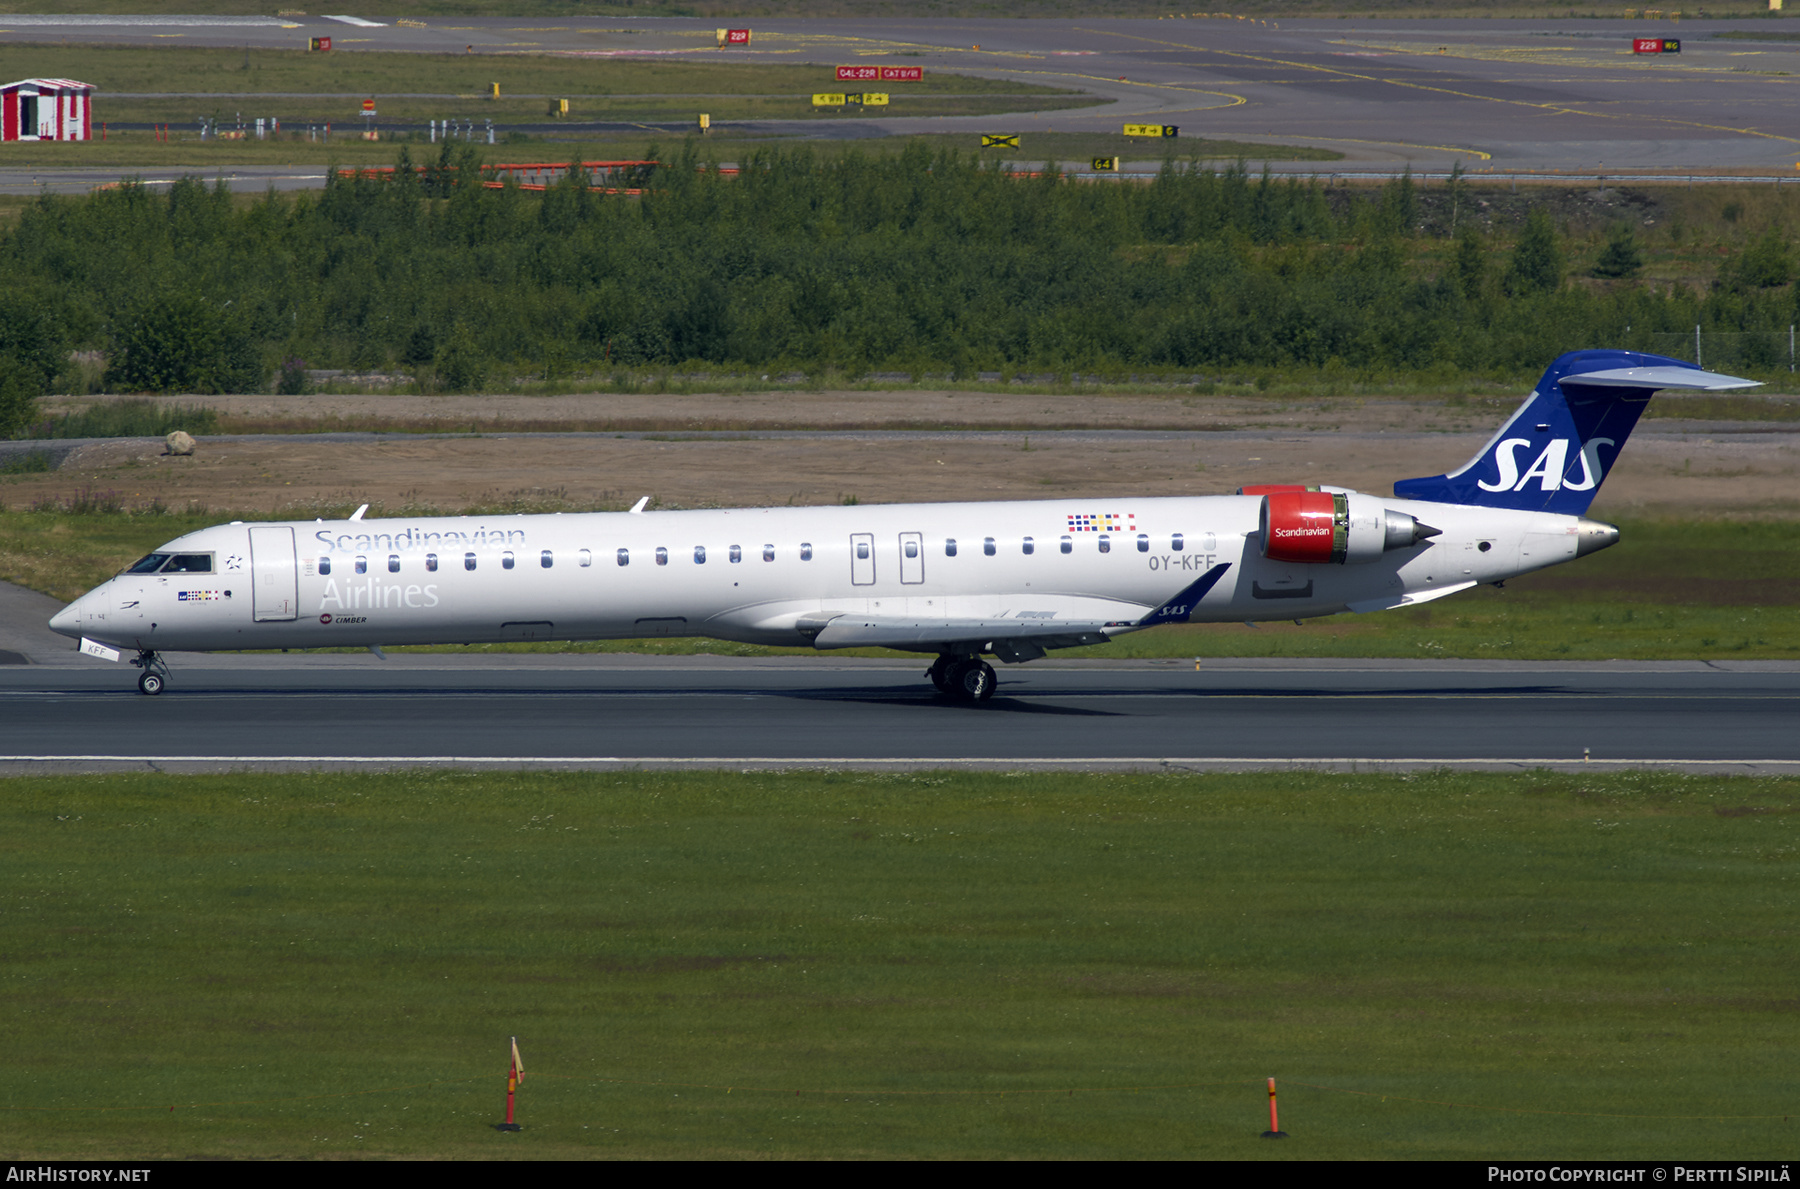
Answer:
(966, 678)
(154, 674)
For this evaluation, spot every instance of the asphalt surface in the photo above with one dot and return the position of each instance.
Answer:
(60, 711)
(617, 711)
(1538, 96)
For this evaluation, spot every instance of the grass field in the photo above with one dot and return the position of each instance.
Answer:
(224, 71)
(941, 964)
(1684, 589)
(300, 88)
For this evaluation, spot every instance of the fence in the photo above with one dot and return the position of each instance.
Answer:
(1748, 351)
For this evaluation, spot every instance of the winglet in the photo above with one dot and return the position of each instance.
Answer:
(1177, 609)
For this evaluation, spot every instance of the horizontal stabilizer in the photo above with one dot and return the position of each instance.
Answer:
(1660, 378)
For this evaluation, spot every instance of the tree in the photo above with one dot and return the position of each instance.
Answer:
(1763, 265)
(32, 349)
(460, 364)
(1468, 263)
(1537, 259)
(19, 391)
(1621, 256)
(185, 344)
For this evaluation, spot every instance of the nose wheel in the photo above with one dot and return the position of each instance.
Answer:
(155, 673)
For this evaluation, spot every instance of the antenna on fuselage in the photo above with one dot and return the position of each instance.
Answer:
(357, 515)
(639, 506)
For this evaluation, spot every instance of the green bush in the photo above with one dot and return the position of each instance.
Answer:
(185, 344)
(19, 390)
(924, 263)
(1621, 257)
(460, 364)
(1537, 260)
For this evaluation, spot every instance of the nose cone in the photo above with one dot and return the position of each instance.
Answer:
(67, 622)
(1593, 536)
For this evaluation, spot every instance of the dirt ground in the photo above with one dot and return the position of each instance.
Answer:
(907, 409)
(1667, 470)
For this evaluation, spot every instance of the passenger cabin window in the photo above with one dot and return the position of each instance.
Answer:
(1143, 542)
(768, 553)
(324, 565)
(546, 559)
(806, 551)
(431, 563)
(393, 563)
(584, 558)
(1105, 544)
(1029, 545)
(148, 565)
(624, 557)
(987, 546)
(949, 546)
(699, 555)
(662, 556)
(468, 561)
(735, 554)
(1068, 545)
(362, 565)
(506, 559)
(189, 563)
(1175, 542)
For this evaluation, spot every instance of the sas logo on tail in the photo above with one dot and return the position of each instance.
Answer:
(1550, 468)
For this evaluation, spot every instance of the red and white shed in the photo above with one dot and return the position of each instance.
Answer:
(47, 109)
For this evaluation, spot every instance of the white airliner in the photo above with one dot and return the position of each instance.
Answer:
(959, 580)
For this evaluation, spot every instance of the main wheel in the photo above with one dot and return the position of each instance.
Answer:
(150, 683)
(974, 680)
(940, 673)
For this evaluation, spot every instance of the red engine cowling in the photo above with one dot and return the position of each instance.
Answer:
(1305, 526)
(1334, 527)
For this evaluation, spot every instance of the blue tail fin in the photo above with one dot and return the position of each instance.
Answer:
(1554, 453)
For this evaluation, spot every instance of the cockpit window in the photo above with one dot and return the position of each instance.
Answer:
(148, 565)
(189, 563)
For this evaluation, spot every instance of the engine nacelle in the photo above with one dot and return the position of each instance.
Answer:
(1335, 528)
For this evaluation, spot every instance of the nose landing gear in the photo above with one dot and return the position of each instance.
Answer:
(968, 678)
(154, 674)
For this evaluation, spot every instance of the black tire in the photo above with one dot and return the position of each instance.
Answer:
(940, 674)
(150, 683)
(974, 681)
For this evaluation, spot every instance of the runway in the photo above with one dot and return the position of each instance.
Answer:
(615, 712)
(1509, 95)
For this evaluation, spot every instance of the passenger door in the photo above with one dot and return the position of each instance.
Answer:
(274, 576)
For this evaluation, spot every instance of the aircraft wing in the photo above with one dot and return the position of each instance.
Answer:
(1010, 639)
